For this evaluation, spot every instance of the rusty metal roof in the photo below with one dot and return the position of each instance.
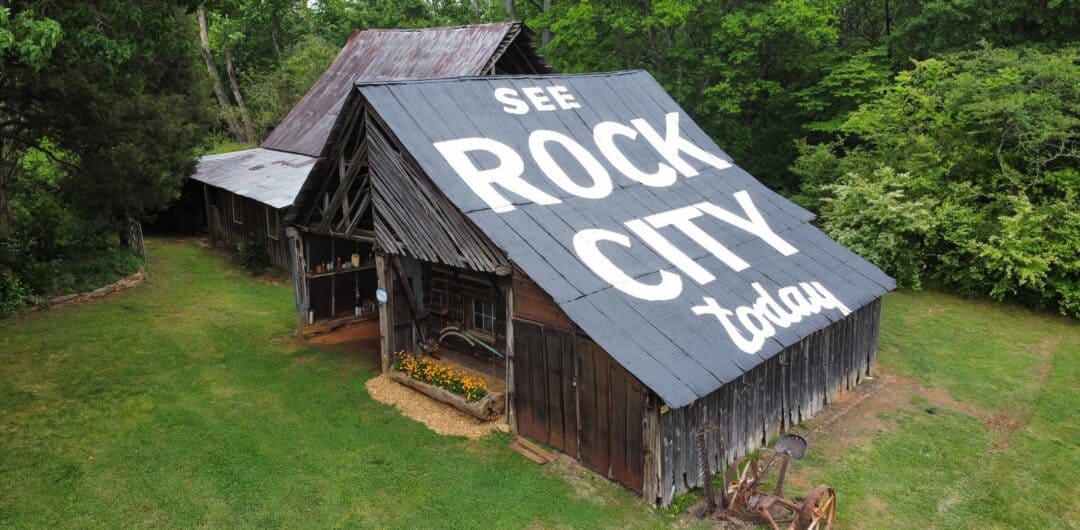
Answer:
(269, 177)
(381, 54)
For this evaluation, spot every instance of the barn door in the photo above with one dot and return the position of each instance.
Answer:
(610, 405)
(544, 396)
(570, 395)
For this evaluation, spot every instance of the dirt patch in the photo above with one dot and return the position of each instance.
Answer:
(860, 415)
(364, 334)
(437, 416)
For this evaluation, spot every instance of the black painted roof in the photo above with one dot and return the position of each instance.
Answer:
(680, 355)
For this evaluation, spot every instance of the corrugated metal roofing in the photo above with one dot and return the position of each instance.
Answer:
(378, 54)
(270, 177)
(680, 354)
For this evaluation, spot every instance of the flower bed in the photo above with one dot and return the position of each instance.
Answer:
(442, 382)
(442, 375)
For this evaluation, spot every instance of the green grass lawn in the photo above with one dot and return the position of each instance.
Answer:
(186, 402)
(1011, 459)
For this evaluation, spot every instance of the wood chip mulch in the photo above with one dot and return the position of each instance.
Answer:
(439, 417)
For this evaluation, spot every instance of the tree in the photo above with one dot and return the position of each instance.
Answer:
(109, 92)
(736, 66)
(963, 173)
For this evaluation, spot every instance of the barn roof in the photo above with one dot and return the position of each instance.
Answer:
(267, 176)
(679, 350)
(377, 54)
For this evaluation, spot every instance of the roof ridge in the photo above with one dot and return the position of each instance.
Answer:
(425, 80)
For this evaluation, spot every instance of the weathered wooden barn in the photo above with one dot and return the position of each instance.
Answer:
(629, 281)
(252, 192)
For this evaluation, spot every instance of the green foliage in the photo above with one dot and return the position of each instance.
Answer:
(109, 91)
(27, 39)
(253, 253)
(271, 93)
(883, 219)
(964, 173)
(13, 294)
(737, 67)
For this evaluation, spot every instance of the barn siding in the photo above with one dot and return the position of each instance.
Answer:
(225, 229)
(777, 394)
(570, 394)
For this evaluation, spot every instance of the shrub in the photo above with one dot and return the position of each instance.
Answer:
(13, 294)
(252, 253)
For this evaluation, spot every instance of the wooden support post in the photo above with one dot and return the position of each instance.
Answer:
(209, 215)
(652, 489)
(299, 275)
(511, 417)
(385, 281)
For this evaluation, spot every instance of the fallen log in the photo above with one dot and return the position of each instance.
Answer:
(486, 408)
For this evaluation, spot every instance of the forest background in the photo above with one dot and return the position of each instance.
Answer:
(938, 138)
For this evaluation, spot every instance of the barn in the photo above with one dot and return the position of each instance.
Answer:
(599, 252)
(252, 192)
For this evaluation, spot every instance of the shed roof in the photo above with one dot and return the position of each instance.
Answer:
(270, 177)
(377, 54)
(678, 350)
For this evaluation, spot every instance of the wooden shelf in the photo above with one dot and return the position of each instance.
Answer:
(340, 271)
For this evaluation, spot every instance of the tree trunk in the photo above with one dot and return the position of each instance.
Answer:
(245, 118)
(545, 36)
(211, 69)
(510, 9)
(275, 30)
(7, 215)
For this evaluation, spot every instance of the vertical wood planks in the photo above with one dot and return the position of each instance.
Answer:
(752, 410)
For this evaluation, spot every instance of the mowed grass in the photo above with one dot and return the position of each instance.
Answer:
(186, 402)
(1009, 459)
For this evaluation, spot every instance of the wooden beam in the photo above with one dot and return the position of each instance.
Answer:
(363, 236)
(209, 220)
(299, 274)
(410, 296)
(511, 413)
(385, 326)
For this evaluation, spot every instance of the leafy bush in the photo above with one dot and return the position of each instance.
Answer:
(13, 294)
(252, 253)
(964, 174)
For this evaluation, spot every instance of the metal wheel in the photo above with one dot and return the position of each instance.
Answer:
(818, 510)
(740, 473)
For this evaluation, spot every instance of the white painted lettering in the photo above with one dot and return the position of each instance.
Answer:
(511, 104)
(604, 135)
(672, 144)
(536, 95)
(507, 174)
(761, 319)
(670, 252)
(682, 219)
(585, 245)
(563, 97)
(750, 345)
(601, 185)
(753, 223)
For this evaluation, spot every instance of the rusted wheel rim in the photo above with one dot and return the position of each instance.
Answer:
(739, 473)
(819, 509)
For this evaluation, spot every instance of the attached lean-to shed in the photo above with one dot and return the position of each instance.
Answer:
(631, 283)
(252, 192)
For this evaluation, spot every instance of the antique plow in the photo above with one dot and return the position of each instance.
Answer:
(745, 498)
